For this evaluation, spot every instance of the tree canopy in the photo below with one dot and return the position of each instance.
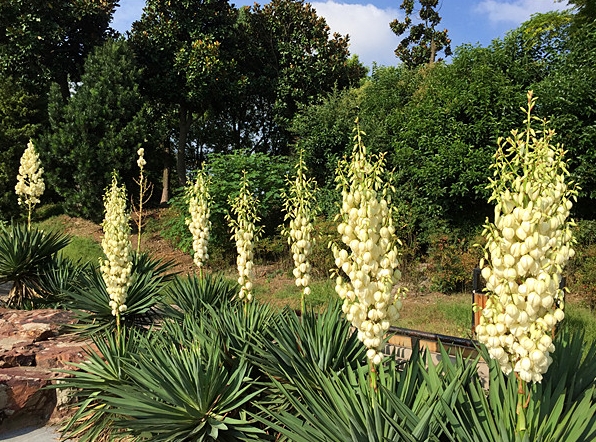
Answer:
(48, 41)
(423, 41)
(97, 131)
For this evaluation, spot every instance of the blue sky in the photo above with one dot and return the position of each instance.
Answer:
(367, 23)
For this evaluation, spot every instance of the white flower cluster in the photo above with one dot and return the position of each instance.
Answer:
(117, 268)
(527, 247)
(299, 210)
(30, 185)
(245, 233)
(301, 243)
(199, 224)
(370, 262)
(141, 160)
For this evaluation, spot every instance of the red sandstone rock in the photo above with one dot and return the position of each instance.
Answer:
(32, 345)
(23, 397)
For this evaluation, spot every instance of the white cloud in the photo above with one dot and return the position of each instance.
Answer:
(368, 28)
(517, 11)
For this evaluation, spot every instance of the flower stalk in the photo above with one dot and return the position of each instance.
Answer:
(116, 268)
(244, 233)
(145, 192)
(300, 211)
(30, 184)
(367, 262)
(199, 223)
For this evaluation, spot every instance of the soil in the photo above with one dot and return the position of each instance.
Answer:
(151, 242)
(272, 274)
(159, 248)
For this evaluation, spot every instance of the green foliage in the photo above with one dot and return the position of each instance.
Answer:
(191, 296)
(309, 344)
(451, 261)
(238, 325)
(438, 125)
(104, 119)
(585, 275)
(20, 119)
(560, 408)
(423, 42)
(301, 60)
(572, 112)
(179, 392)
(24, 255)
(266, 174)
(58, 279)
(344, 406)
(45, 42)
(186, 51)
(88, 382)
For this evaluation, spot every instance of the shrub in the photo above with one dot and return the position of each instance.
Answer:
(451, 261)
(24, 255)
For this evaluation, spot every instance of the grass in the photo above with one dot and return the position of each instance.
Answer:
(81, 248)
(581, 318)
(442, 314)
(436, 313)
(286, 293)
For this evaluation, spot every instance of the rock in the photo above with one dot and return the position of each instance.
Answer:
(23, 399)
(33, 344)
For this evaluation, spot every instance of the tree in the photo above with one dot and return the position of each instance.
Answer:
(302, 61)
(19, 121)
(184, 50)
(423, 42)
(44, 41)
(567, 98)
(586, 10)
(97, 131)
(438, 124)
(285, 59)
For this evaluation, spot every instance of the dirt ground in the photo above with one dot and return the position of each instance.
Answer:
(160, 248)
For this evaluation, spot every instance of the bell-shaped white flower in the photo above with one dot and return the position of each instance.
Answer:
(527, 247)
(244, 233)
(300, 210)
(116, 269)
(30, 185)
(367, 263)
(199, 223)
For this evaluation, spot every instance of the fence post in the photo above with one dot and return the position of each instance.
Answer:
(478, 298)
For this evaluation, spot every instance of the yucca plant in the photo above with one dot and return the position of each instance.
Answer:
(308, 344)
(25, 254)
(191, 295)
(342, 406)
(90, 301)
(237, 327)
(62, 276)
(92, 419)
(183, 393)
(560, 408)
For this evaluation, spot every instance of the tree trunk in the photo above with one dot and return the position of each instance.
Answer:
(165, 178)
(433, 51)
(185, 123)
